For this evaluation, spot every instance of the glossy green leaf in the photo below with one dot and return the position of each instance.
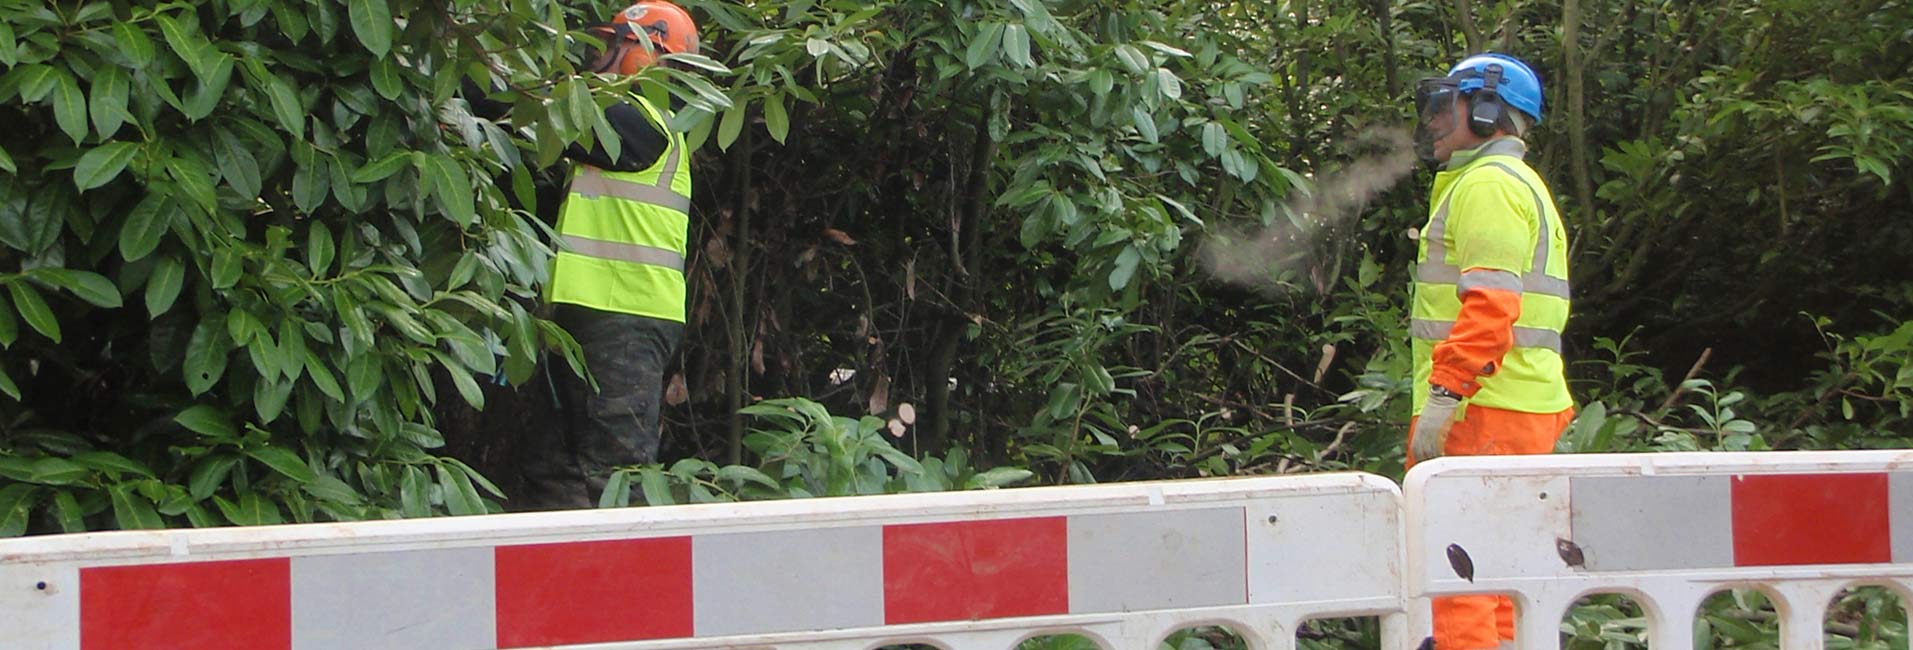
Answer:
(1016, 45)
(9, 327)
(145, 225)
(102, 163)
(133, 43)
(453, 189)
(206, 356)
(16, 504)
(237, 165)
(66, 511)
(310, 184)
(227, 266)
(462, 379)
(776, 121)
(187, 45)
(285, 462)
(385, 78)
(206, 91)
(69, 107)
(656, 488)
(87, 285)
(250, 509)
(209, 421)
(731, 125)
(269, 398)
(58, 471)
(107, 461)
(9, 47)
(460, 497)
(162, 287)
(1132, 58)
(209, 474)
(382, 168)
(34, 309)
(286, 106)
(372, 23)
(322, 377)
(195, 183)
(984, 46)
(415, 493)
(108, 107)
(617, 491)
(133, 511)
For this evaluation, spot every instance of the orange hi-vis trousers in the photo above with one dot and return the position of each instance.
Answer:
(1483, 622)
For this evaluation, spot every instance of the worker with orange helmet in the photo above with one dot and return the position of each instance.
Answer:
(617, 282)
(636, 35)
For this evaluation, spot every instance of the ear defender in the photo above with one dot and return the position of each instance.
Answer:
(1485, 110)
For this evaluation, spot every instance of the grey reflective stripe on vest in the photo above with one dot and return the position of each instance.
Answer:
(591, 182)
(1524, 337)
(1437, 270)
(1488, 279)
(623, 252)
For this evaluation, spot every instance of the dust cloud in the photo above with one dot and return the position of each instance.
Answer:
(1262, 257)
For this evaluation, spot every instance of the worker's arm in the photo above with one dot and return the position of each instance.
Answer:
(640, 141)
(1492, 239)
(481, 103)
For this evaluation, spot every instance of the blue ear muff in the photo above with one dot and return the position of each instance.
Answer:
(1485, 110)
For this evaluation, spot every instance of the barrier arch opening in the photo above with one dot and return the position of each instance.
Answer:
(1868, 615)
(1213, 635)
(1062, 640)
(1599, 618)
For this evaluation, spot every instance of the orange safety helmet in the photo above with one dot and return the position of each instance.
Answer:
(669, 27)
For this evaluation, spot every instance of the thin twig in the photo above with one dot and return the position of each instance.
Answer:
(1682, 387)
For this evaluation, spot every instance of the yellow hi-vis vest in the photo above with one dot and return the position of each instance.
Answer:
(1515, 239)
(623, 235)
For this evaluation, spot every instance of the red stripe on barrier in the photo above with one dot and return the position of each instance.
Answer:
(1811, 519)
(238, 604)
(975, 570)
(593, 592)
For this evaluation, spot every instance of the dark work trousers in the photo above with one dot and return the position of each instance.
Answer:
(612, 427)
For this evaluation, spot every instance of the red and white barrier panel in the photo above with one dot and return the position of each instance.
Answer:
(1125, 565)
(1667, 530)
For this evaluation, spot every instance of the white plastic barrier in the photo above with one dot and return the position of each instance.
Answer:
(1124, 565)
(1667, 530)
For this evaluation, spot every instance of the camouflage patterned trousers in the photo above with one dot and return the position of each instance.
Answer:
(613, 426)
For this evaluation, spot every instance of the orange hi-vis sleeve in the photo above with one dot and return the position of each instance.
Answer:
(1483, 333)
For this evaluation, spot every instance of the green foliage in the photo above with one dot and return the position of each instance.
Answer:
(254, 242)
(255, 248)
(804, 451)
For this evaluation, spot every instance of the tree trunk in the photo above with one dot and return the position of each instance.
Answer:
(1465, 12)
(1385, 14)
(1577, 105)
(737, 380)
(1299, 148)
(935, 437)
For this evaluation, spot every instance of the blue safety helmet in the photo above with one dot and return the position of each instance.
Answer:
(1517, 84)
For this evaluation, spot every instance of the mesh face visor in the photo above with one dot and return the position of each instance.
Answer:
(1435, 96)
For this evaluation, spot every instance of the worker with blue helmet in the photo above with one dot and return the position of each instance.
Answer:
(1490, 297)
(1490, 85)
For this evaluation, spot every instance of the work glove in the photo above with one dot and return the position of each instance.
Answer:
(1431, 430)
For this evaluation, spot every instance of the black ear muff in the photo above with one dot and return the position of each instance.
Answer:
(1485, 110)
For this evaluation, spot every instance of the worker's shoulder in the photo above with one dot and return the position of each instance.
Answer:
(1501, 171)
(1495, 178)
